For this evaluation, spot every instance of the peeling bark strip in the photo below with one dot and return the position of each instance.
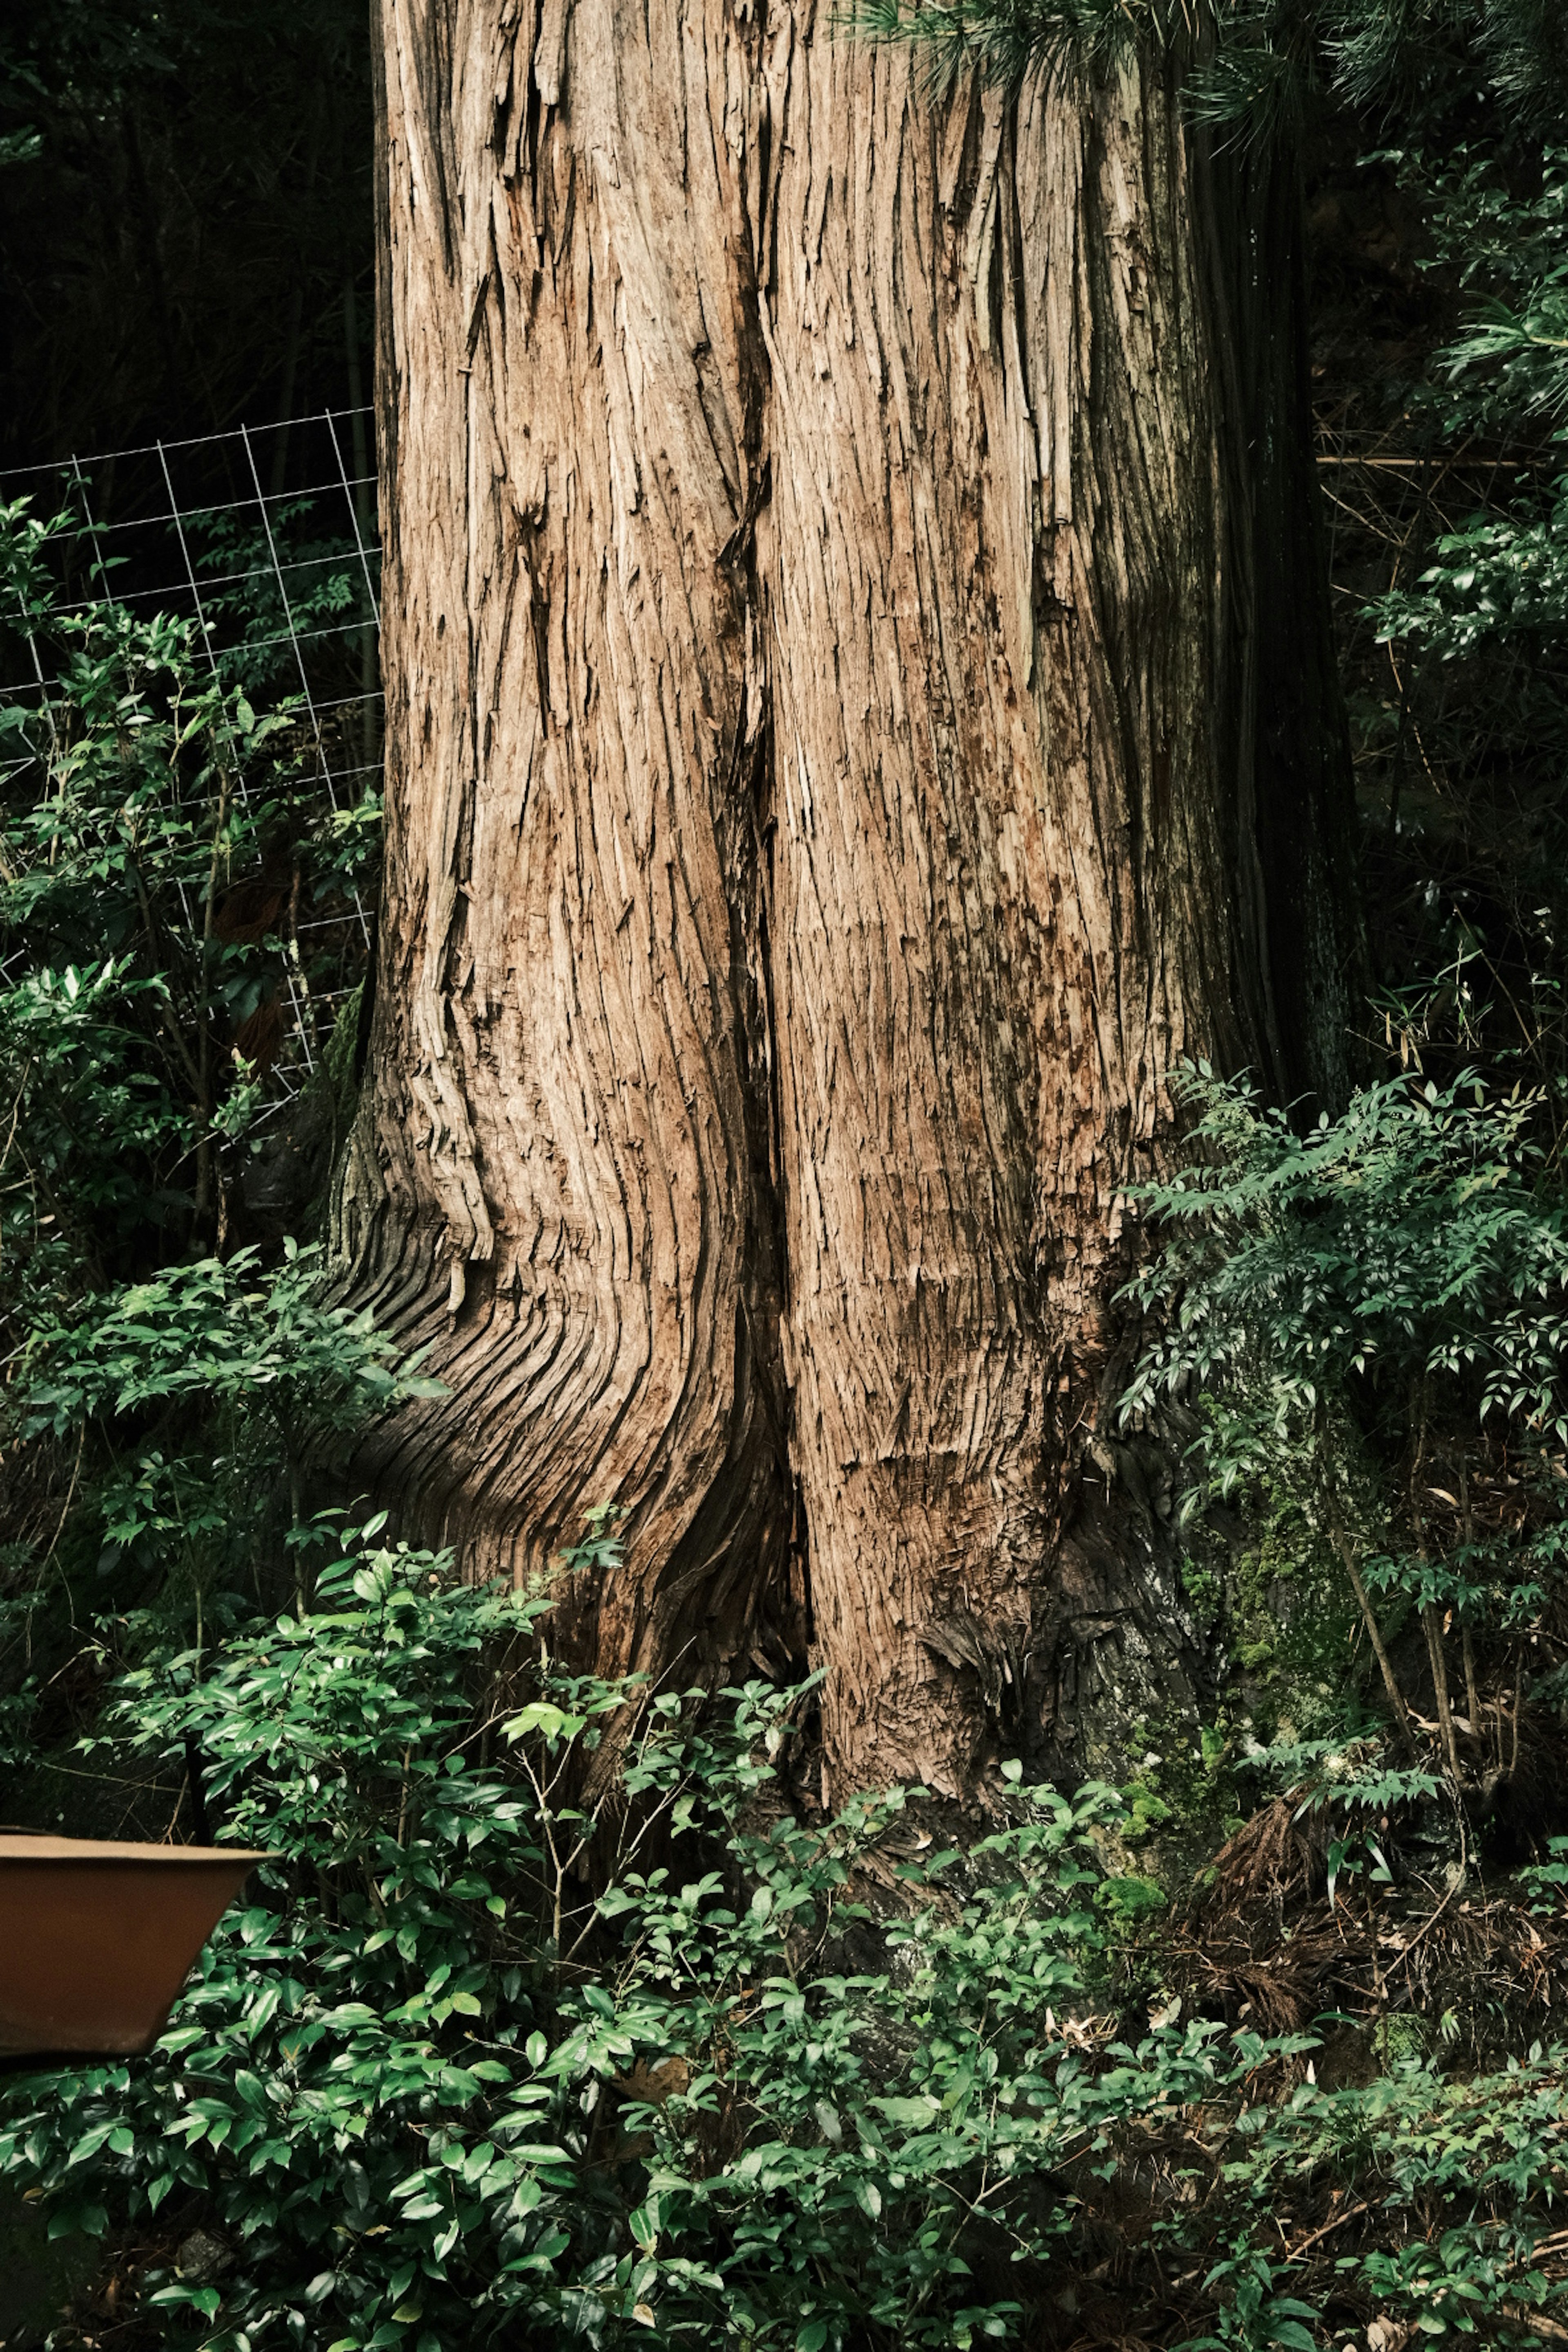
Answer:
(845, 561)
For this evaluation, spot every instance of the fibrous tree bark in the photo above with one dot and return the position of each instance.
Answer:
(859, 711)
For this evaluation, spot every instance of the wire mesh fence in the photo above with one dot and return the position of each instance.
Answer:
(263, 540)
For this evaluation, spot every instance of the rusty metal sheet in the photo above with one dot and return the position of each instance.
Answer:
(96, 1939)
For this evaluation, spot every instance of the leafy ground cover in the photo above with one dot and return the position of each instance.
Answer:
(429, 2087)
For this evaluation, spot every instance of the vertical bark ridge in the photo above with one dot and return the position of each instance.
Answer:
(1001, 842)
(553, 1182)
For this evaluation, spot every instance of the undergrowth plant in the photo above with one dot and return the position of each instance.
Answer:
(168, 1361)
(274, 1367)
(1502, 573)
(122, 819)
(429, 2086)
(1351, 1310)
(160, 834)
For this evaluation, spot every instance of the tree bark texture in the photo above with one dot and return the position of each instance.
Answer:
(859, 711)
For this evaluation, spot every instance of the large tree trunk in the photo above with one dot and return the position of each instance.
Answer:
(859, 711)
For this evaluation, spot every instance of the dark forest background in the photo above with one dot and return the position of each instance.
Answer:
(185, 222)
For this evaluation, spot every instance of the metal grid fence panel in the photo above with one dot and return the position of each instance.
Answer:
(265, 538)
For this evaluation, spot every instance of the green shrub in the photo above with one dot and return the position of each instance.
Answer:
(262, 1354)
(139, 791)
(425, 2090)
(160, 838)
(372, 2004)
(1352, 1303)
(395, 2089)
